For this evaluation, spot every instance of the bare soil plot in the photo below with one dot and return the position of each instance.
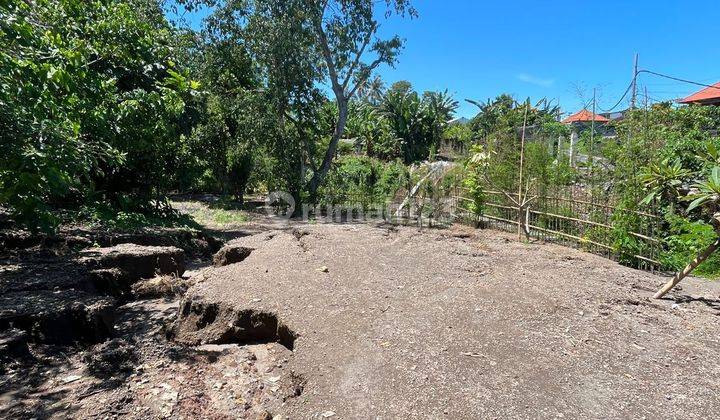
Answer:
(347, 321)
(393, 322)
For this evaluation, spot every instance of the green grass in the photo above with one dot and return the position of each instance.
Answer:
(106, 218)
(213, 218)
(225, 217)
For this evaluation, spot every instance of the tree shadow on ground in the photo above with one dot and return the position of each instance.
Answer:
(713, 304)
(21, 379)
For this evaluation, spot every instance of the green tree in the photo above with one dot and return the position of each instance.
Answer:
(77, 82)
(299, 44)
(344, 31)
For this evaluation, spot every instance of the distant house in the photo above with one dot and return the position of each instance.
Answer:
(614, 116)
(706, 96)
(584, 116)
(581, 121)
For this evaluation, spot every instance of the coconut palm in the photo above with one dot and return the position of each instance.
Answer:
(371, 91)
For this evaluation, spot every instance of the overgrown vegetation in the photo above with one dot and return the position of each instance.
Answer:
(107, 104)
(660, 161)
(106, 107)
(78, 81)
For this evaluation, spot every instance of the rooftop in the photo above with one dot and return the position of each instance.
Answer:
(584, 116)
(710, 94)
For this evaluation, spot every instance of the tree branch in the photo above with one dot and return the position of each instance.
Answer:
(327, 54)
(366, 76)
(360, 52)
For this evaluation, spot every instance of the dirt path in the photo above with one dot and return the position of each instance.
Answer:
(463, 324)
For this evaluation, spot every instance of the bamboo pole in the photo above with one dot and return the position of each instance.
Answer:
(520, 182)
(592, 139)
(688, 269)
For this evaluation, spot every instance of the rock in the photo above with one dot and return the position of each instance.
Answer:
(71, 378)
(58, 317)
(264, 415)
(13, 345)
(323, 269)
(135, 261)
(231, 254)
(110, 358)
(160, 286)
(169, 396)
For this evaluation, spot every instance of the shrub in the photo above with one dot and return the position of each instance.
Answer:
(361, 179)
(686, 240)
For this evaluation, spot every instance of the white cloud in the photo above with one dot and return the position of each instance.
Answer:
(528, 78)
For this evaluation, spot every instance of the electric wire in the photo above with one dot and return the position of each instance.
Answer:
(677, 79)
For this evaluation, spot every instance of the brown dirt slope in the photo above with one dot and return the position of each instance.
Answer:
(393, 322)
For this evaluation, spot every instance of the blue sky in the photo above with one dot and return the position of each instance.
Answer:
(560, 50)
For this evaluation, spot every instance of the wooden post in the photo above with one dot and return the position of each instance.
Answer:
(520, 183)
(688, 269)
(592, 138)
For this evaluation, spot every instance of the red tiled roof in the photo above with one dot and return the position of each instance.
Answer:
(584, 116)
(704, 95)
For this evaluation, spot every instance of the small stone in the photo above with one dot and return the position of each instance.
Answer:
(323, 269)
(327, 414)
(71, 378)
(170, 396)
(264, 415)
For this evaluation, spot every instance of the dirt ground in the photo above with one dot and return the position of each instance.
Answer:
(346, 321)
(392, 322)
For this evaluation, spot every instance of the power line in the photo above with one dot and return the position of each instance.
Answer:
(621, 99)
(678, 79)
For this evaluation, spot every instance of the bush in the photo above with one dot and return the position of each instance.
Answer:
(78, 81)
(365, 180)
(686, 240)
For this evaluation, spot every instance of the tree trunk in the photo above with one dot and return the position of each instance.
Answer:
(322, 171)
(688, 269)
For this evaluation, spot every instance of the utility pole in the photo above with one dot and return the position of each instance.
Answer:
(633, 99)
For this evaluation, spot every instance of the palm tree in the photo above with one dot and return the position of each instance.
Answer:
(372, 91)
(439, 108)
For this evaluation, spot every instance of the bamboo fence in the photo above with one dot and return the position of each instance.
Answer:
(573, 217)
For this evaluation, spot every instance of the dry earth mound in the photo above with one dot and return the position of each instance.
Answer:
(393, 322)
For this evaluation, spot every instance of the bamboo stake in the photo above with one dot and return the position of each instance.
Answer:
(520, 182)
(688, 269)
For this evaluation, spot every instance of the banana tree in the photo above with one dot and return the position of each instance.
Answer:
(704, 196)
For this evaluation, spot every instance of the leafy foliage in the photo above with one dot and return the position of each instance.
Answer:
(77, 82)
(685, 240)
(663, 180)
(364, 180)
(419, 122)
